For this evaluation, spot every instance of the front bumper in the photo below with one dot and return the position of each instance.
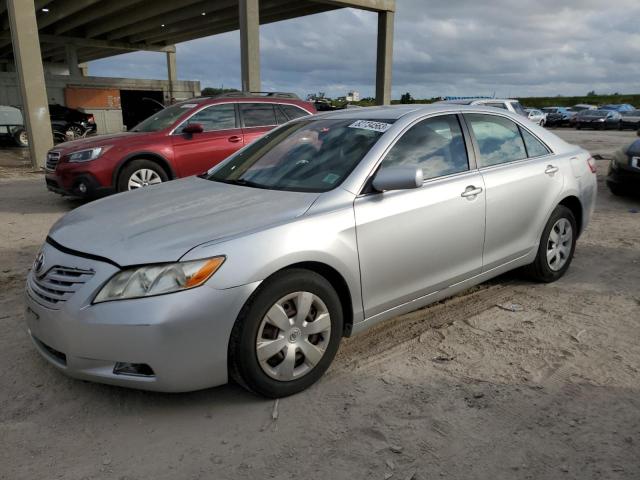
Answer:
(626, 177)
(71, 184)
(183, 337)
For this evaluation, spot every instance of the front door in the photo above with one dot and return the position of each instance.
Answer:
(198, 152)
(415, 242)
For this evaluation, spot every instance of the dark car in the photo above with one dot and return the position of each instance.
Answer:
(184, 139)
(73, 123)
(598, 119)
(624, 170)
(558, 116)
(630, 120)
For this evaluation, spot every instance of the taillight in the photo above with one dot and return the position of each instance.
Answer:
(592, 164)
(91, 119)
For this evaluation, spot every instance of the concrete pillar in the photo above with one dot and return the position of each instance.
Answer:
(384, 58)
(172, 73)
(71, 53)
(250, 44)
(26, 51)
(84, 69)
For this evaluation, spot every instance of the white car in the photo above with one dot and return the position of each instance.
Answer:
(507, 104)
(536, 116)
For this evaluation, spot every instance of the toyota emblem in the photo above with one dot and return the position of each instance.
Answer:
(38, 264)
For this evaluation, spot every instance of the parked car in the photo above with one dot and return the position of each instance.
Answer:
(558, 116)
(618, 107)
(583, 106)
(630, 120)
(510, 105)
(598, 119)
(623, 176)
(536, 116)
(12, 125)
(184, 139)
(254, 271)
(73, 122)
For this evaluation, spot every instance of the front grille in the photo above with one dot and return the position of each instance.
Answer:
(52, 160)
(57, 285)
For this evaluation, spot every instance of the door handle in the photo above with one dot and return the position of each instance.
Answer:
(234, 139)
(471, 191)
(551, 169)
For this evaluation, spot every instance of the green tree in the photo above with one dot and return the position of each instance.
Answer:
(406, 98)
(212, 91)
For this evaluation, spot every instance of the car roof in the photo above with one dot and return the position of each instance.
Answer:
(394, 112)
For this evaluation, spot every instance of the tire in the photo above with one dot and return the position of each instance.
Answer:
(253, 330)
(73, 132)
(543, 270)
(140, 172)
(21, 138)
(616, 189)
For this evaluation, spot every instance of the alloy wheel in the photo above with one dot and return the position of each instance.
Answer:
(559, 244)
(143, 178)
(293, 336)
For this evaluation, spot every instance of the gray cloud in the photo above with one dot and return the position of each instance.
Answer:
(529, 47)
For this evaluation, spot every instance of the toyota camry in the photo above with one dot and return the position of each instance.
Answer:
(318, 230)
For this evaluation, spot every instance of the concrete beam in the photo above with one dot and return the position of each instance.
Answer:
(63, 8)
(372, 5)
(35, 104)
(384, 59)
(89, 15)
(71, 54)
(249, 18)
(172, 72)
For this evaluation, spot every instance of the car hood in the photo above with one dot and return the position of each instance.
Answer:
(163, 222)
(97, 141)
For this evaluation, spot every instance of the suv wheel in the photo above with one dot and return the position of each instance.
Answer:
(286, 335)
(21, 138)
(557, 245)
(140, 173)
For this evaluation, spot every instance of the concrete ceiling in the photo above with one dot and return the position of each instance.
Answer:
(102, 28)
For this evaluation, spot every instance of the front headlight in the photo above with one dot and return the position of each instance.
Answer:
(87, 155)
(150, 280)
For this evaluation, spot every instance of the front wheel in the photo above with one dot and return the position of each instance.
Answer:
(286, 335)
(21, 138)
(140, 173)
(556, 248)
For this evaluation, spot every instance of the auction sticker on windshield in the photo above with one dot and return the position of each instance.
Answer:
(371, 125)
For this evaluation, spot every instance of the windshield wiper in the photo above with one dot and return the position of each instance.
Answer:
(240, 181)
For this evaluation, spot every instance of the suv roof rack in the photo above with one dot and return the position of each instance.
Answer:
(259, 94)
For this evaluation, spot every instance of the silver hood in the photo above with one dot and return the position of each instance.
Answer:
(161, 223)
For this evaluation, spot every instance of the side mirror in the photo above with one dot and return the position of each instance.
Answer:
(398, 178)
(191, 128)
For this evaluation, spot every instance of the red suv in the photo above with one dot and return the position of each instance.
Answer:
(184, 139)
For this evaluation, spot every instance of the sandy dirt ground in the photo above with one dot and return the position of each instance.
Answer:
(463, 389)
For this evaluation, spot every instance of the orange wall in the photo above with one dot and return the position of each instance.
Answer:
(92, 97)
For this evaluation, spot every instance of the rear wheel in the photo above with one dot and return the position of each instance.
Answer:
(286, 335)
(73, 132)
(140, 173)
(556, 248)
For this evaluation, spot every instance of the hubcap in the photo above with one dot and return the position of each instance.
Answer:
(293, 336)
(559, 244)
(24, 138)
(142, 178)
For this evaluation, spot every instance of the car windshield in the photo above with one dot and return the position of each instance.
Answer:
(304, 156)
(164, 118)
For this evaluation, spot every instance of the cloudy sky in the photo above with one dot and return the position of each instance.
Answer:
(442, 47)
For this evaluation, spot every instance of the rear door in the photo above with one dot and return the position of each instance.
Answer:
(258, 118)
(523, 180)
(415, 242)
(222, 136)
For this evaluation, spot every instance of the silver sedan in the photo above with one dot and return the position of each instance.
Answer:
(322, 228)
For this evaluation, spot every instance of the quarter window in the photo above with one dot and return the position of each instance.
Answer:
(215, 117)
(293, 111)
(498, 138)
(535, 148)
(258, 114)
(496, 105)
(436, 145)
(280, 116)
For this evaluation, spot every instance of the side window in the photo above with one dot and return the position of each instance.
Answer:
(436, 145)
(258, 114)
(215, 117)
(535, 148)
(280, 116)
(293, 111)
(498, 138)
